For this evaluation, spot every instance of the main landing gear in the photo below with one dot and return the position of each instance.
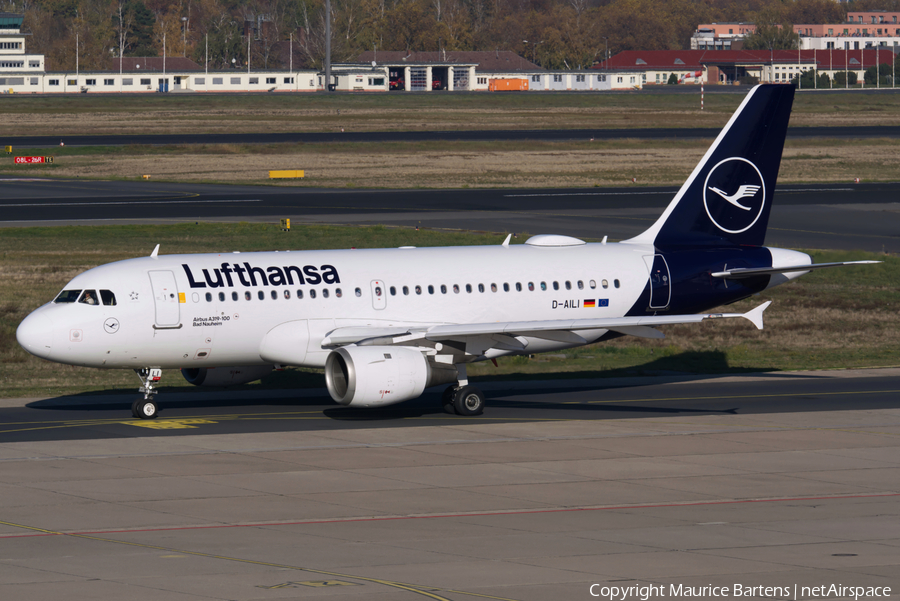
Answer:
(146, 408)
(463, 399)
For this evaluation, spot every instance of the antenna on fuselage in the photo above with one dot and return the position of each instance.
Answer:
(508, 238)
(155, 252)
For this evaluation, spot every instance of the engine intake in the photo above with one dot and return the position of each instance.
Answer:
(225, 376)
(374, 376)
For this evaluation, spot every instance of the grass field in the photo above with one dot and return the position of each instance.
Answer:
(455, 164)
(23, 115)
(828, 319)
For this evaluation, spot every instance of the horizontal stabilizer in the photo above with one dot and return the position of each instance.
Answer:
(740, 273)
(755, 316)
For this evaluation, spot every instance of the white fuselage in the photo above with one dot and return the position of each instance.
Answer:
(167, 315)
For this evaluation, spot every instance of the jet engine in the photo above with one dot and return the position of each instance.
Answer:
(374, 376)
(225, 376)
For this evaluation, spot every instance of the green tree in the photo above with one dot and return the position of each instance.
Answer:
(841, 79)
(140, 39)
(772, 35)
(673, 79)
(884, 74)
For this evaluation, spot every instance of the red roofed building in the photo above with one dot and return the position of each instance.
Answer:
(730, 66)
(657, 66)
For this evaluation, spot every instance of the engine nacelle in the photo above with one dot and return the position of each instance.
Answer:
(225, 376)
(373, 376)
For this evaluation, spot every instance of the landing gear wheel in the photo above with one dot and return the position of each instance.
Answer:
(135, 412)
(447, 399)
(146, 408)
(469, 401)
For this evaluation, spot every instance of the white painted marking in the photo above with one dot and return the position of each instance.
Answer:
(669, 193)
(127, 202)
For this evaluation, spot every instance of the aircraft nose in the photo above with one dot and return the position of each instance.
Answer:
(34, 334)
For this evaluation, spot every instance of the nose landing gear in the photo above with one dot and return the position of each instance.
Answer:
(146, 408)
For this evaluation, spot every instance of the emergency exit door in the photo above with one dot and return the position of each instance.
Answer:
(379, 294)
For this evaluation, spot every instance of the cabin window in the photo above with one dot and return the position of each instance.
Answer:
(325, 293)
(406, 291)
(299, 294)
(505, 287)
(90, 298)
(556, 285)
(287, 294)
(544, 286)
(358, 292)
(209, 297)
(261, 295)
(234, 296)
(393, 291)
(455, 288)
(418, 290)
(430, 289)
(443, 289)
(568, 285)
(338, 293)
(530, 286)
(378, 291)
(592, 284)
(221, 297)
(493, 287)
(616, 283)
(469, 288)
(312, 293)
(67, 296)
(580, 285)
(108, 298)
(605, 284)
(274, 295)
(247, 295)
(480, 287)
(518, 287)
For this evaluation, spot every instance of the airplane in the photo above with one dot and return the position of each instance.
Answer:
(387, 323)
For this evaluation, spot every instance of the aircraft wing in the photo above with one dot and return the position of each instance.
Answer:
(513, 335)
(749, 272)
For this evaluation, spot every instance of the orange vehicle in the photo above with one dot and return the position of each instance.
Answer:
(508, 85)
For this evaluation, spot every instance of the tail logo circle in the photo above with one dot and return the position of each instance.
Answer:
(734, 195)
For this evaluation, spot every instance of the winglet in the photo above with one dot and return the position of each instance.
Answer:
(508, 238)
(155, 252)
(755, 316)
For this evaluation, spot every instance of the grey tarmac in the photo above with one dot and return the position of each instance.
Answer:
(831, 216)
(804, 490)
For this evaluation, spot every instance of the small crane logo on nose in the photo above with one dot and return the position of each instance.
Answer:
(111, 325)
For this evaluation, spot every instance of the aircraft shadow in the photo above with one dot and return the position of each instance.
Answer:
(429, 405)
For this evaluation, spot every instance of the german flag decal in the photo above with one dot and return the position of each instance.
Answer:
(589, 303)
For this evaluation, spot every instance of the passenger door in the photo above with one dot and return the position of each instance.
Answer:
(660, 282)
(166, 298)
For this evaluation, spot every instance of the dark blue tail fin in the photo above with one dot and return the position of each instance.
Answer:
(727, 199)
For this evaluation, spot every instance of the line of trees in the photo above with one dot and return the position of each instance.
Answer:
(556, 34)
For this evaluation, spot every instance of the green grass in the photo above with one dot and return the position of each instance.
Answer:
(415, 112)
(829, 319)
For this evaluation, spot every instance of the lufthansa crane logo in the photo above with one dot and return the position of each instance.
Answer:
(734, 195)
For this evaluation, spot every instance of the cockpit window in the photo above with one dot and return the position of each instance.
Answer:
(67, 296)
(89, 298)
(108, 298)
